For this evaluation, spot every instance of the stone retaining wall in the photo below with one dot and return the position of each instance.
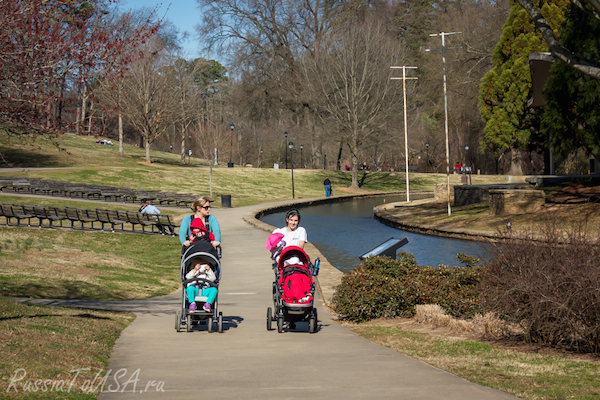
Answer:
(515, 201)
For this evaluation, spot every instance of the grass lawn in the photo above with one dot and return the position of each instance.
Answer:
(48, 345)
(91, 163)
(67, 264)
(527, 375)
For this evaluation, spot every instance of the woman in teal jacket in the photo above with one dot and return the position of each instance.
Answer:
(201, 208)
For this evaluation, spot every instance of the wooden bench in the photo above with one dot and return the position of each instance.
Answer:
(56, 214)
(116, 219)
(19, 213)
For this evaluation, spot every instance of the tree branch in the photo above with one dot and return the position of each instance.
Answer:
(557, 49)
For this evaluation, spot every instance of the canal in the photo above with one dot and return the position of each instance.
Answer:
(345, 230)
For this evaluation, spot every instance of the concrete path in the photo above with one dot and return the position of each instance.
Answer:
(248, 362)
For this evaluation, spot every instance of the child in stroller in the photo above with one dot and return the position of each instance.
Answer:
(200, 276)
(293, 290)
(205, 276)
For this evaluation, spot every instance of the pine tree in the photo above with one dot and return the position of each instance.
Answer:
(572, 117)
(505, 90)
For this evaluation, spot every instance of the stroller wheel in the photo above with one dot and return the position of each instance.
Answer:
(210, 325)
(269, 319)
(178, 321)
(220, 322)
(188, 323)
(312, 324)
(280, 324)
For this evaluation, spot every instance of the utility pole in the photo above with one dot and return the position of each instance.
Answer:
(404, 78)
(443, 49)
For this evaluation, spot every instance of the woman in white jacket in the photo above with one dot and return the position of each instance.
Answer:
(202, 271)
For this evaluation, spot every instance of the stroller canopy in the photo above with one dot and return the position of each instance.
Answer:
(292, 251)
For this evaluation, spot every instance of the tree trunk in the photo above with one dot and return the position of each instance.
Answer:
(210, 179)
(354, 172)
(147, 150)
(339, 157)
(182, 144)
(120, 133)
(515, 162)
(83, 108)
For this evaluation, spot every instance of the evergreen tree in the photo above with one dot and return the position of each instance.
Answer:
(505, 90)
(572, 117)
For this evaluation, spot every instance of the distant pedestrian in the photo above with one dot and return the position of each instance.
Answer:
(327, 185)
(148, 208)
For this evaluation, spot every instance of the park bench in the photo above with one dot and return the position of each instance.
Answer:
(19, 213)
(104, 218)
(56, 214)
(134, 218)
(115, 219)
(167, 220)
(150, 220)
(87, 216)
(7, 212)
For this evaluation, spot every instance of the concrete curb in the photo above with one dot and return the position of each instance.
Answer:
(384, 214)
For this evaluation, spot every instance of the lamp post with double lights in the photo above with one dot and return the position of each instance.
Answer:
(468, 162)
(291, 146)
(285, 135)
(427, 150)
(231, 147)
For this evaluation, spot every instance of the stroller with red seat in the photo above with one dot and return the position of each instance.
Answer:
(293, 290)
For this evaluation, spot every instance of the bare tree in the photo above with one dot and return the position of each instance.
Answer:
(148, 98)
(350, 82)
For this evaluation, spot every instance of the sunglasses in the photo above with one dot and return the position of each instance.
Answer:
(206, 207)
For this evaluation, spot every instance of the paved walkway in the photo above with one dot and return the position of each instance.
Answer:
(248, 362)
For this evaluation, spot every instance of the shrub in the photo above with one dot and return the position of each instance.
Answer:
(382, 287)
(552, 288)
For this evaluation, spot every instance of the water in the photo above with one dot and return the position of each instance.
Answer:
(343, 231)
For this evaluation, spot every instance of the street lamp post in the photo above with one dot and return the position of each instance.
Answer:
(231, 147)
(291, 146)
(301, 148)
(285, 135)
(170, 148)
(427, 149)
(468, 162)
(324, 161)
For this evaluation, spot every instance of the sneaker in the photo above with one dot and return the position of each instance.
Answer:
(206, 307)
(193, 307)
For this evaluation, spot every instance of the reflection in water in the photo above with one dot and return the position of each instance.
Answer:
(343, 231)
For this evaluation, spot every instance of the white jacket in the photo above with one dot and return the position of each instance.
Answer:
(202, 273)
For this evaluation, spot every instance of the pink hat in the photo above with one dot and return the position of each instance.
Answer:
(274, 240)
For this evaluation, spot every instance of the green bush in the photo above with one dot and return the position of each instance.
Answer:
(382, 287)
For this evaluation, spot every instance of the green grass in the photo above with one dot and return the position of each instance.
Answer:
(48, 342)
(525, 375)
(97, 164)
(87, 265)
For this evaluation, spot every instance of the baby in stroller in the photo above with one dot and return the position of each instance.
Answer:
(200, 277)
(205, 275)
(293, 290)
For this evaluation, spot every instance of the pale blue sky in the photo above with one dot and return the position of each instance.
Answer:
(184, 14)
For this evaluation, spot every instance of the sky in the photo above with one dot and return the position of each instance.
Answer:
(184, 14)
